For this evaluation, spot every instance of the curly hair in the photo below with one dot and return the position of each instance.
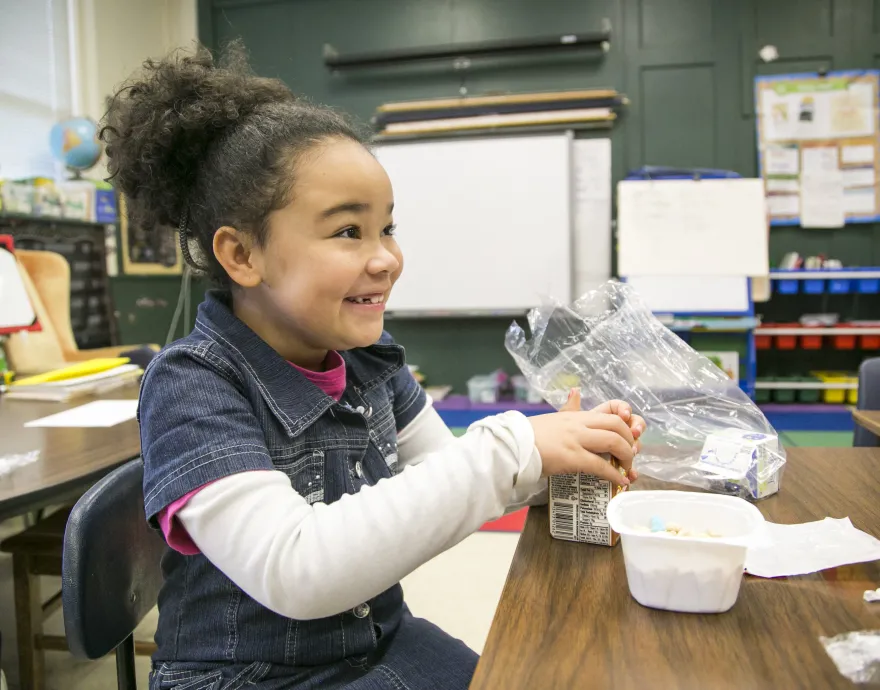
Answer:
(210, 143)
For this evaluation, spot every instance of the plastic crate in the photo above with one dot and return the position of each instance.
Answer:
(839, 286)
(844, 342)
(787, 287)
(763, 395)
(763, 342)
(786, 342)
(811, 342)
(808, 395)
(868, 286)
(785, 395)
(834, 396)
(869, 342)
(813, 286)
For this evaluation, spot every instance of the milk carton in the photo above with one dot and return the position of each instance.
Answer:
(578, 507)
(744, 463)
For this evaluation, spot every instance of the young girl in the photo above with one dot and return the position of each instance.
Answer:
(295, 467)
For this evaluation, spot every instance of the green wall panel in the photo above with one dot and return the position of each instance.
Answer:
(687, 65)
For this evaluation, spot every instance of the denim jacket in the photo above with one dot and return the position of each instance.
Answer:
(222, 401)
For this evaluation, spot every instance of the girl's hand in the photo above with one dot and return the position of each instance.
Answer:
(571, 441)
(623, 410)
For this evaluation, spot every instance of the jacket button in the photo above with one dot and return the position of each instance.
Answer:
(361, 610)
(359, 469)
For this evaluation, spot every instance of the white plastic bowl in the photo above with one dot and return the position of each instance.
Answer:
(689, 574)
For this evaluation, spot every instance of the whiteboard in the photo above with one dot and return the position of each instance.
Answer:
(692, 228)
(693, 295)
(485, 224)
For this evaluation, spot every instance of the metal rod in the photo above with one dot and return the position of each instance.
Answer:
(125, 676)
(565, 42)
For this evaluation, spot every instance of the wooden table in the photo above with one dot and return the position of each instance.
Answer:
(868, 419)
(566, 618)
(70, 460)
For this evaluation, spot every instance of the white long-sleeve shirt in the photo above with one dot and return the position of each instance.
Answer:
(310, 561)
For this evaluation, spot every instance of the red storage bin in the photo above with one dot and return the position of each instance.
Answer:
(786, 342)
(869, 342)
(811, 342)
(844, 342)
(764, 342)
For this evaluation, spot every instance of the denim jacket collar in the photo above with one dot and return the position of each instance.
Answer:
(295, 401)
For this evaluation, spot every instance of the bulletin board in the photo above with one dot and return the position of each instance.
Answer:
(819, 147)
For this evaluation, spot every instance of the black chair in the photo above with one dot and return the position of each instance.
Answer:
(110, 570)
(869, 399)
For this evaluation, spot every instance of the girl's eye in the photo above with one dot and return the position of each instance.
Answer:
(350, 233)
(390, 230)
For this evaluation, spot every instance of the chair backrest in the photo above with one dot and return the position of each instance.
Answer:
(51, 275)
(110, 571)
(869, 399)
(34, 352)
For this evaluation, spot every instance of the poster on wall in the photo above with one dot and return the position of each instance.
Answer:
(819, 147)
(148, 251)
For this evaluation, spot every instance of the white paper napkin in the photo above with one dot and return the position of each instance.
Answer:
(810, 547)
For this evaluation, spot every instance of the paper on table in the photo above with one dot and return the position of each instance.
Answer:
(101, 413)
(856, 655)
(822, 200)
(810, 547)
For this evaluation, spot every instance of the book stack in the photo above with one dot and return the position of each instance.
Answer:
(597, 107)
(93, 377)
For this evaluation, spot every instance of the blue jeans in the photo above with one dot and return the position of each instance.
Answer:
(417, 656)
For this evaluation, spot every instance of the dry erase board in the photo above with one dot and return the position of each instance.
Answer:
(692, 228)
(485, 224)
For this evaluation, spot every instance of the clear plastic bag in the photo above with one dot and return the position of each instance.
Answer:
(702, 429)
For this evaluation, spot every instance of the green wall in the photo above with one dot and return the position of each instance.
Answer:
(687, 66)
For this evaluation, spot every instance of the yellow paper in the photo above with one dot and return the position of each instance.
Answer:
(92, 366)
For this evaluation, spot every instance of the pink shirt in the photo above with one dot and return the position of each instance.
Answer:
(331, 381)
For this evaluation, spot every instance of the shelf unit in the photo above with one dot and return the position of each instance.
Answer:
(806, 330)
(824, 275)
(804, 386)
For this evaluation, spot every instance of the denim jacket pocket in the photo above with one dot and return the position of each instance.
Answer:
(306, 472)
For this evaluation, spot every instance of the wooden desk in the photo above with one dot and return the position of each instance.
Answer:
(70, 461)
(868, 419)
(566, 618)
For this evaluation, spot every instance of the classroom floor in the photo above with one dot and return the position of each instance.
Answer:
(458, 591)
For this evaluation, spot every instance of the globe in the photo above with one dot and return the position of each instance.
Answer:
(75, 143)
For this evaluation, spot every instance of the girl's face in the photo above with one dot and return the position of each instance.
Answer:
(330, 258)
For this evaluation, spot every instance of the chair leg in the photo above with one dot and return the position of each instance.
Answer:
(28, 623)
(125, 676)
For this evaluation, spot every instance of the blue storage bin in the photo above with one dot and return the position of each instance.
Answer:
(787, 287)
(814, 287)
(839, 286)
(868, 286)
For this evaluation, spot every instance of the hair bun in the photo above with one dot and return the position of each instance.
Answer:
(161, 124)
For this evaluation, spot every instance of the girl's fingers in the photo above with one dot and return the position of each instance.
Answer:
(601, 441)
(638, 426)
(608, 422)
(619, 407)
(590, 463)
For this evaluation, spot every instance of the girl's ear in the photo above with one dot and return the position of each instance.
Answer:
(234, 251)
